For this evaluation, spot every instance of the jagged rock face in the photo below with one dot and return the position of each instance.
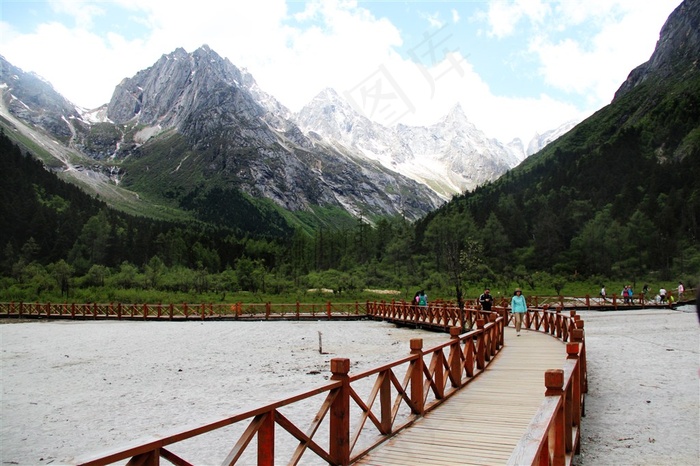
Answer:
(450, 156)
(33, 100)
(678, 45)
(245, 137)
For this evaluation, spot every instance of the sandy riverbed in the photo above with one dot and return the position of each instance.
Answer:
(70, 388)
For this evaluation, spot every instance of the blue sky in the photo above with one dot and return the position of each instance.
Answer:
(516, 67)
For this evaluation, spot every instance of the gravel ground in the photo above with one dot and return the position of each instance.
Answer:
(642, 405)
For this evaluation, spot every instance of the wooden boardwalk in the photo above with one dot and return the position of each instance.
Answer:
(481, 424)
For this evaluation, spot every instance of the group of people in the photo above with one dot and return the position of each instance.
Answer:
(518, 306)
(627, 294)
(662, 297)
(420, 299)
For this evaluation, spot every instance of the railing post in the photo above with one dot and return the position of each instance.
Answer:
(266, 441)
(554, 381)
(328, 309)
(385, 403)
(480, 346)
(417, 376)
(577, 336)
(455, 357)
(504, 324)
(572, 350)
(339, 441)
(493, 337)
(527, 318)
(560, 322)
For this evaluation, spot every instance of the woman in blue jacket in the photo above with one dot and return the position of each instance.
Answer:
(518, 306)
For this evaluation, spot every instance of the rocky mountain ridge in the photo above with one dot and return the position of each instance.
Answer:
(194, 121)
(450, 156)
(678, 45)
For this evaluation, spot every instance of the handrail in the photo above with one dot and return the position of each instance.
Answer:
(553, 436)
(379, 402)
(445, 312)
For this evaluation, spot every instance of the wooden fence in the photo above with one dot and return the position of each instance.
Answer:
(185, 311)
(354, 412)
(438, 314)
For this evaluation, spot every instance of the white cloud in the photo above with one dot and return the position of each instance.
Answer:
(598, 63)
(338, 44)
(434, 20)
(504, 16)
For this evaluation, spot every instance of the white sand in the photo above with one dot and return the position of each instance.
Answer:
(71, 388)
(644, 388)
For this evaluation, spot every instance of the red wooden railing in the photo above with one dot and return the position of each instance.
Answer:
(184, 311)
(439, 313)
(357, 412)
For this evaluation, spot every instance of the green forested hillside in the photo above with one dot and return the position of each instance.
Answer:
(618, 196)
(59, 243)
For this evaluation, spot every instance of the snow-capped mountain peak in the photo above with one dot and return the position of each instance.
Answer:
(450, 156)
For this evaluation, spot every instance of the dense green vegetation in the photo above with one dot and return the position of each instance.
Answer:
(614, 201)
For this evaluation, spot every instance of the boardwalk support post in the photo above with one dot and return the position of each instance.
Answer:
(339, 440)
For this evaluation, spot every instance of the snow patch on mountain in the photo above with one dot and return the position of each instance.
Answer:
(450, 156)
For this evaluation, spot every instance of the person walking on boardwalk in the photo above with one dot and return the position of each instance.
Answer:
(681, 290)
(624, 295)
(518, 307)
(486, 300)
(422, 299)
(603, 294)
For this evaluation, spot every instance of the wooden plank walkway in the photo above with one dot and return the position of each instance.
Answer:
(481, 424)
